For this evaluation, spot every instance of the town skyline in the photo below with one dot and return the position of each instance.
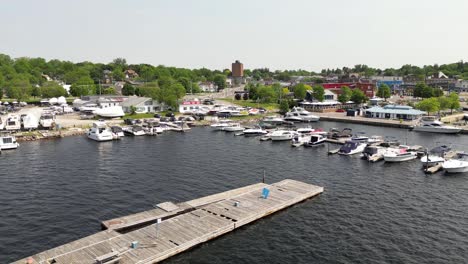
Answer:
(261, 34)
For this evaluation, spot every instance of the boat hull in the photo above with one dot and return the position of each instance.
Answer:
(438, 130)
(399, 158)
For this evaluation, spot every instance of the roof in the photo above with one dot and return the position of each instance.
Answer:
(395, 109)
(134, 100)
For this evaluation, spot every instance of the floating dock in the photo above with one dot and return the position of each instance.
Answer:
(170, 229)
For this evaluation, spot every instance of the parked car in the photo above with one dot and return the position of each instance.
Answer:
(169, 114)
(208, 102)
(157, 116)
(340, 110)
(129, 121)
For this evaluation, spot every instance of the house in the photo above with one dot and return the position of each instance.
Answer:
(394, 82)
(208, 87)
(142, 104)
(103, 100)
(393, 112)
(130, 74)
(328, 96)
(190, 107)
(461, 86)
(366, 88)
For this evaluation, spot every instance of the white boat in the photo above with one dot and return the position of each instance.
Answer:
(399, 155)
(375, 139)
(221, 124)
(373, 153)
(300, 114)
(434, 156)
(61, 100)
(455, 166)
(110, 112)
(361, 137)
(53, 101)
(432, 125)
(300, 139)
(272, 120)
(255, 131)
(47, 120)
(352, 147)
(29, 122)
(12, 122)
(8, 142)
(100, 132)
(233, 127)
(316, 140)
(282, 135)
(117, 131)
(134, 130)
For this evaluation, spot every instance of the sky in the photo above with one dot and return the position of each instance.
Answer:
(276, 34)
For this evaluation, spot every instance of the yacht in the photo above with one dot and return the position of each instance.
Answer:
(282, 135)
(432, 125)
(272, 120)
(399, 155)
(435, 155)
(47, 120)
(352, 147)
(255, 131)
(455, 166)
(8, 142)
(134, 130)
(117, 131)
(12, 123)
(221, 124)
(100, 132)
(301, 115)
(29, 121)
(373, 153)
(233, 127)
(316, 140)
(110, 112)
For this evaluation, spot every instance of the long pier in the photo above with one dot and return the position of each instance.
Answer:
(169, 229)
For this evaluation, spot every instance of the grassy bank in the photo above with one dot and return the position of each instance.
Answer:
(249, 103)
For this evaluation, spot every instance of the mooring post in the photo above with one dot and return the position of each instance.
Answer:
(263, 180)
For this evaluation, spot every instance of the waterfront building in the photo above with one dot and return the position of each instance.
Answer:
(366, 88)
(142, 105)
(461, 86)
(394, 112)
(394, 82)
(190, 107)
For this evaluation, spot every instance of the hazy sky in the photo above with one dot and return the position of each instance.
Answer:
(278, 34)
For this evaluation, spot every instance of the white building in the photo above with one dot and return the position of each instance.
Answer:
(461, 86)
(394, 112)
(190, 107)
(208, 87)
(142, 104)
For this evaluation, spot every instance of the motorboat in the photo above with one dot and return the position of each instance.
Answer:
(100, 132)
(455, 166)
(134, 130)
(233, 127)
(110, 112)
(335, 133)
(89, 107)
(282, 135)
(309, 130)
(399, 155)
(221, 124)
(272, 120)
(435, 155)
(255, 131)
(178, 126)
(432, 125)
(12, 123)
(117, 131)
(29, 122)
(8, 142)
(300, 139)
(316, 140)
(352, 147)
(152, 128)
(373, 153)
(301, 115)
(47, 120)
(375, 139)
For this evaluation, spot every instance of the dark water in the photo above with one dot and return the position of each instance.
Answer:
(53, 192)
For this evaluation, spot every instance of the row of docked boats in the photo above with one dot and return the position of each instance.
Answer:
(100, 131)
(28, 121)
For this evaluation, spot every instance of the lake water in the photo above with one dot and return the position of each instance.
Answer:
(53, 192)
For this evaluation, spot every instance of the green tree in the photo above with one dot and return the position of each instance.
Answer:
(345, 95)
(436, 92)
(19, 88)
(284, 107)
(300, 91)
(429, 105)
(245, 96)
(36, 91)
(266, 94)
(418, 89)
(319, 93)
(118, 74)
(220, 81)
(383, 91)
(52, 89)
(238, 96)
(84, 86)
(110, 90)
(454, 102)
(128, 89)
(358, 96)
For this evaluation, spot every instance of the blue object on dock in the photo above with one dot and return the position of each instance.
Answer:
(134, 244)
(265, 193)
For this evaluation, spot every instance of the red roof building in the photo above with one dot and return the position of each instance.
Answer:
(367, 88)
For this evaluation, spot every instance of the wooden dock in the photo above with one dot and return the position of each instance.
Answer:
(169, 229)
